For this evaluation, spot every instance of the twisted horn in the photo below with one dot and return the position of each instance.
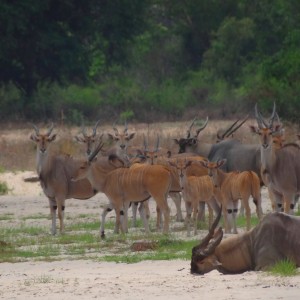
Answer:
(126, 127)
(201, 128)
(37, 131)
(157, 144)
(210, 234)
(95, 128)
(115, 128)
(145, 143)
(258, 117)
(188, 133)
(272, 116)
(233, 129)
(50, 129)
(96, 151)
(83, 130)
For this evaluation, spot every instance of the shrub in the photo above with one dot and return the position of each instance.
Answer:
(3, 188)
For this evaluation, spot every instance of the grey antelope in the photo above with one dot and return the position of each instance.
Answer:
(240, 157)
(228, 132)
(195, 190)
(275, 238)
(55, 173)
(125, 185)
(281, 166)
(235, 186)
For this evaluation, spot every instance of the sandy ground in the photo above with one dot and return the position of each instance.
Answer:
(84, 279)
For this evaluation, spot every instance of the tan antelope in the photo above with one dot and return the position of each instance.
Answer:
(280, 166)
(121, 141)
(195, 190)
(55, 173)
(125, 185)
(153, 157)
(235, 186)
(275, 238)
(88, 140)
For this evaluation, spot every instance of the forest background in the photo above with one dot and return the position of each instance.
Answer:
(147, 60)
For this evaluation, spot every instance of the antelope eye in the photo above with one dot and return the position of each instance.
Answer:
(155, 156)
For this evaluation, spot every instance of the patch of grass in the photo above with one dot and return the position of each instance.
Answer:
(95, 225)
(35, 217)
(241, 221)
(42, 279)
(4, 188)
(284, 268)
(6, 217)
(167, 248)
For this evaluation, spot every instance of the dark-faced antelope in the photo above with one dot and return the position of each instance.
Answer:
(280, 166)
(55, 173)
(275, 238)
(125, 185)
(240, 157)
(235, 186)
(195, 190)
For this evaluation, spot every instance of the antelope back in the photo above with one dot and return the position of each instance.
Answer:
(139, 183)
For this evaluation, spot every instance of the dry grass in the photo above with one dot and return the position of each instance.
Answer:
(17, 152)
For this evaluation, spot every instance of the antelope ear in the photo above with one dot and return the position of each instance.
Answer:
(52, 137)
(254, 129)
(189, 163)
(203, 163)
(33, 137)
(221, 162)
(171, 163)
(111, 136)
(131, 136)
(215, 262)
(79, 139)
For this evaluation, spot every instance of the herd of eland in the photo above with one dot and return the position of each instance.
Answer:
(224, 176)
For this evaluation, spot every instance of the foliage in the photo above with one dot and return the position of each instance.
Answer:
(147, 60)
(284, 268)
(3, 188)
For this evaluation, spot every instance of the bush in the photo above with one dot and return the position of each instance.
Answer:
(284, 268)
(3, 188)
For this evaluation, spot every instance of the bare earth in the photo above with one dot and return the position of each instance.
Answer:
(83, 279)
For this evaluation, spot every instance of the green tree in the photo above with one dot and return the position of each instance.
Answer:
(64, 40)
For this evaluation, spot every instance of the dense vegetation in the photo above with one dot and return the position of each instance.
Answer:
(146, 60)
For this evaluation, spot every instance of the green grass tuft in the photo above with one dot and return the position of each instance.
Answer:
(284, 268)
(3, 188)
